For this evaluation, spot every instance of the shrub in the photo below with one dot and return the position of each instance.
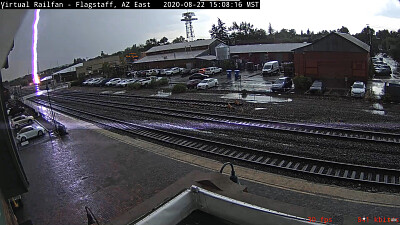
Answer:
(162, 82)
(178, 88)
(302, 83)
(134, 86)
(152, 84)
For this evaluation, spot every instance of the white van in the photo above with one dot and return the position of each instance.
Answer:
(270, 68)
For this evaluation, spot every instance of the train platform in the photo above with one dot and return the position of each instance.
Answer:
(113, 173)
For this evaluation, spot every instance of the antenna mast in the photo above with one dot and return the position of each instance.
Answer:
(188, 17)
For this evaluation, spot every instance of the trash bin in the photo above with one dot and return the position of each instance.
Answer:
(237, 76)
(229, 74)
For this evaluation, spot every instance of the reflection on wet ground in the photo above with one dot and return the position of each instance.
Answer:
(377, 109)
(162, 94)
(257, 98)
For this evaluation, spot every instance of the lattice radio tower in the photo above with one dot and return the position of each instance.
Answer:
(188, 17)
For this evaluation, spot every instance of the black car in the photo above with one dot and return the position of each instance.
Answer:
(16, 110)
(193, 83)
(198, 76)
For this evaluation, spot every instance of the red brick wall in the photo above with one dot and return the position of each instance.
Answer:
(333, 66)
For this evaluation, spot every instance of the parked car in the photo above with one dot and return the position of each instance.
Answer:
(16, 110)
(86, 82)
(212, 70)
(207, 83)
(131, 73)
(202, 70)
(94, 81)
(175, 70)
(194, 70)
(29, 132)
(184, 71)
(127, 82)
(102, 82)
(198, 76)
(317, 87)
(151, 72)
(358, 89)
(141, 73)
(21, 121)
(169, 72)
(192, 83)
(145, 81)
(270, 68)
(121, 83)
(155, 78)
(282, 84)
(113, 82)
(162, 72)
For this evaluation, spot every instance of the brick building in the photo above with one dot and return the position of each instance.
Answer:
(338, 59)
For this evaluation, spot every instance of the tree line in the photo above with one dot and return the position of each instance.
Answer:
(245, 33)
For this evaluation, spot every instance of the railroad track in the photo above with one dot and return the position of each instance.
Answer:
(153, 98)
(296, 128)
(261, 157)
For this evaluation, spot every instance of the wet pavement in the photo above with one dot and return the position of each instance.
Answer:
(87, 168)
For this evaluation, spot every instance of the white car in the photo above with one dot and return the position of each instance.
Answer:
(126, 82)
(21, 120)
(175, 70)
(207, 83)
(162, 71)
(86, 82)
(212, 70)
(113, 81)
(121, 82)
(29, 132)
(358, 89)
(168, 72)
(95, 80)
(145, 81)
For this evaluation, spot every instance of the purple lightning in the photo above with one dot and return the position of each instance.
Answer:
(35, 76)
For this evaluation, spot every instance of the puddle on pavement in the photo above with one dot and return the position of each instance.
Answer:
(106, 92)
(376, 112)
(162, 94)
(119, 92)
(259, 108)
(257, 98)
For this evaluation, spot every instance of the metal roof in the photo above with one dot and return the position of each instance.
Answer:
(280, 47)
(207, 57)
(170, 56)
(354, 40)
(181, 45)
(69, 69)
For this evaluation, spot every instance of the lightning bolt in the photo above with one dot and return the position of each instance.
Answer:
(35, 75)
